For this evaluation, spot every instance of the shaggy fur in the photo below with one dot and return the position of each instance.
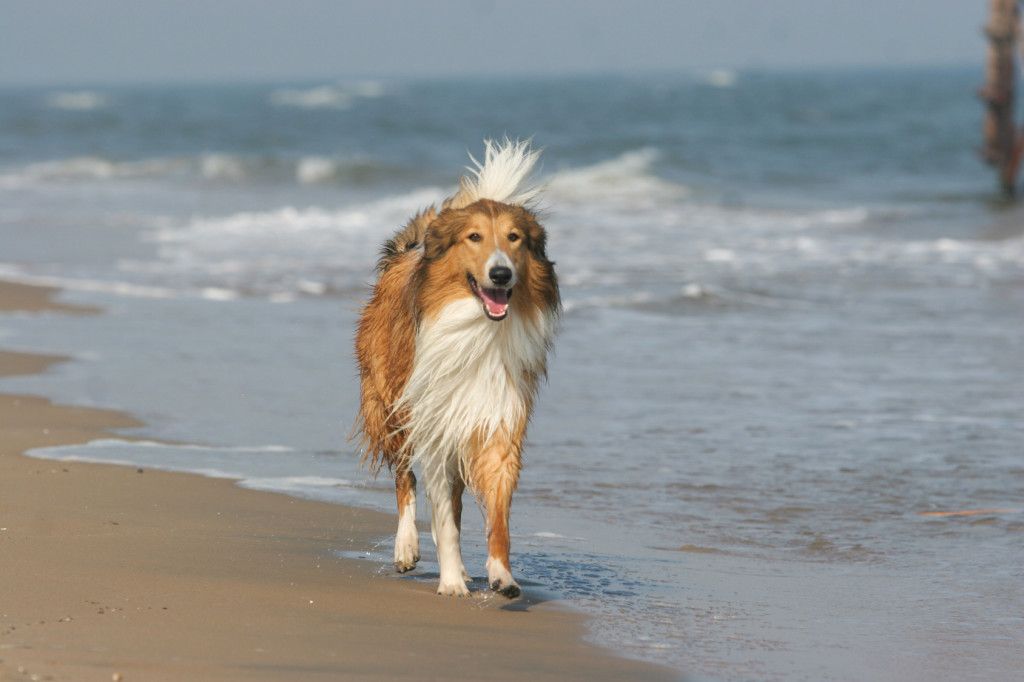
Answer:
(451, 348)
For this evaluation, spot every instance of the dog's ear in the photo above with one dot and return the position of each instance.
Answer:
(540, 271)
(536, 237)
(442, 233)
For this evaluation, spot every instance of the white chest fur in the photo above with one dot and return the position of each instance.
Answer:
(471, 376)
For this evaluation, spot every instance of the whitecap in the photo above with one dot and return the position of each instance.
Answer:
(282, 253)
(721, 78)
(625, 177)
(120, 288)
(720, 255)
(311, 287)
(250, 228)
(218, 294)
(78, 168)
(338, 96)
(322, 97)
(314, 169)
(692, 290)
(89, 167)
(81, 100)
(208, 166)
(222, 167)
(369, 89)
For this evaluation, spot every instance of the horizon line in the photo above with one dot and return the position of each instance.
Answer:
(692, 71)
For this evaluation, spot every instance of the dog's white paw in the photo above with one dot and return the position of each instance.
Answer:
(453, 588)
(405, 559)
(407, 552)
(407, 544)
(500, 579)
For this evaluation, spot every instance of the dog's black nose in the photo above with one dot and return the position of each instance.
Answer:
(500, 275)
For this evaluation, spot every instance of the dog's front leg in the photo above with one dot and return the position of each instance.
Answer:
(495, 475)
(444, 528)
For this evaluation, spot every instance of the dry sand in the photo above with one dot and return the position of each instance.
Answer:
(108, 573)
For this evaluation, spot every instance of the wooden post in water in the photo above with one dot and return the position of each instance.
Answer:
(1003, 142)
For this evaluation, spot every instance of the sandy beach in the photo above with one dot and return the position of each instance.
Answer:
(121, 573)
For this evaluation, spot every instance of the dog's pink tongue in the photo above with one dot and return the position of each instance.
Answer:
(496, 301)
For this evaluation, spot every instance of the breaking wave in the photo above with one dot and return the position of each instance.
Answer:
(336, 96)
(721, 78)
(81, 100)
(629, 176)
(208, 167)
(281, 253)
(623, 236)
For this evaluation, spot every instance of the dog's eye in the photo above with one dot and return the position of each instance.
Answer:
(513, 237)
(474, 236)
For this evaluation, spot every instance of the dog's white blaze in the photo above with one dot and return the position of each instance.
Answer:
(503, 176)
(469, 377)
(407, 539)
(496, 259)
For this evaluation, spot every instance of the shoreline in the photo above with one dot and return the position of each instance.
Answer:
(157, 575)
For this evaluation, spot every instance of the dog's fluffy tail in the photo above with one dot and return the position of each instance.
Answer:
(504, 175)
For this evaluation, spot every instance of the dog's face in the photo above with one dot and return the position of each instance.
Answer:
(490, 250)
(488, 246)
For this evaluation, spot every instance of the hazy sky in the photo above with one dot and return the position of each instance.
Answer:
(97, 41)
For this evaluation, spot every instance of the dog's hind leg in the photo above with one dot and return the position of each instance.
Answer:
(443, 526)
(458, 488)
(407, 539)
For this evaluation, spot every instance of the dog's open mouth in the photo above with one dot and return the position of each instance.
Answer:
(495, 300)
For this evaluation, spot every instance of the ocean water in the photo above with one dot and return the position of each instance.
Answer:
(792, 340)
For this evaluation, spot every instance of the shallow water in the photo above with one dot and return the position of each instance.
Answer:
(793, 328)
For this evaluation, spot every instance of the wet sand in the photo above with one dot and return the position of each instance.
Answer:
(116, 573)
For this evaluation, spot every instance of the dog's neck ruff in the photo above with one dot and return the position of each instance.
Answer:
(471, 377)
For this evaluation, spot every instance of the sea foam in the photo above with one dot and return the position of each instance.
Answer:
(334, 96)
(81, 100)
(628, 177)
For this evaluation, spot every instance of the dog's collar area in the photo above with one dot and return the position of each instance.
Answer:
(495, 301)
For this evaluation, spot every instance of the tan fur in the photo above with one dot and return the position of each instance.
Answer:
(385, 343)
(494, 476)
(405, 486)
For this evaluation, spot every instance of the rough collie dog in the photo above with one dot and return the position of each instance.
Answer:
(451, 347)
